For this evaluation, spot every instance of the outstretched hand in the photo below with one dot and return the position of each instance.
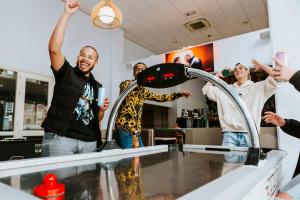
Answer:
(71, 6)
(282, 72)
(273, 118)
(256, 64)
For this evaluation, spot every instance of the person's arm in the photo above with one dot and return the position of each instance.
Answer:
(164, 97)
(57, 37)
(289, 126)
(263, 67)
(269, 86)
(102, 109)
(295, 80)
(211, 91)
(124, 85)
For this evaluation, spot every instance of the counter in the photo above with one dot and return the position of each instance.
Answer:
(213, 136)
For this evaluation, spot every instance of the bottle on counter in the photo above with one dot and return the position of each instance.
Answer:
(206, 122)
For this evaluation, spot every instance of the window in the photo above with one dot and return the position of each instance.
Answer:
(24, 101)
(8, 81)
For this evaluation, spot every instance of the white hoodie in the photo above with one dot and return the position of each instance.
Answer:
(254, 95)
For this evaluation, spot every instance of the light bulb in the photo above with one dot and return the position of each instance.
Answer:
(107, 14)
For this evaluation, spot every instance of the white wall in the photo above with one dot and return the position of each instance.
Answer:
(284, 18)
(242, 48)
(131, 54)
(132, 51)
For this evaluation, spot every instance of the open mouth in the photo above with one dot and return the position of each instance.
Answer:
(84, 65)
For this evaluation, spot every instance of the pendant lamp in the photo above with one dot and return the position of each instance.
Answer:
(106, 15)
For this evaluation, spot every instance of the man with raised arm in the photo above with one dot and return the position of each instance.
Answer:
(72, 122)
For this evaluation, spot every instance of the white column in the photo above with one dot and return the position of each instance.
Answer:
(112, 68)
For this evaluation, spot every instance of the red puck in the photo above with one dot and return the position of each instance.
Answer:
(50, 188)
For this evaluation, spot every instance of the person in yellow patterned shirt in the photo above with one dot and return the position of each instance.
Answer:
(128, 122)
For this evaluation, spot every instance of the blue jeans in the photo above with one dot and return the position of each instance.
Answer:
(235, 139)
(56, 145)
(123, 138)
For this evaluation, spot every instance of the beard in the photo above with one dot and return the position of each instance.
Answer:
(84, 72)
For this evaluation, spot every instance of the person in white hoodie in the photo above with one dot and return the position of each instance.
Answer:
(254, 96)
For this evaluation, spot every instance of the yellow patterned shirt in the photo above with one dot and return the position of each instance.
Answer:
(130, 112)
(128, 174)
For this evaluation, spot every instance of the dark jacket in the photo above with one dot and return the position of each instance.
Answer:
(295, 80)
(69, 86)
(292, 127)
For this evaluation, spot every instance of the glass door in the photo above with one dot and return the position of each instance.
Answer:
(36, 98)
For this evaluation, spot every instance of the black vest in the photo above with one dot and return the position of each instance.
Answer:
(69, 86)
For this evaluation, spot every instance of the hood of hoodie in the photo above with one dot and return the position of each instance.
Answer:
(244, 85)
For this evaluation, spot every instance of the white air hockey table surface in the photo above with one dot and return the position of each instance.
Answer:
(194, 172)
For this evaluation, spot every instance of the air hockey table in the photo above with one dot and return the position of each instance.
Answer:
(156, 172)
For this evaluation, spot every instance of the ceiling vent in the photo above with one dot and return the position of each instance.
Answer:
(197, 24)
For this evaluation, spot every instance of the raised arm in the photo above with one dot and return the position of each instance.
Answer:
(211, 91)
(164, 97)
(57, 37)
(263, 67)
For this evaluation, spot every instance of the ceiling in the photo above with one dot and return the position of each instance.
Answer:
(158, 25)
